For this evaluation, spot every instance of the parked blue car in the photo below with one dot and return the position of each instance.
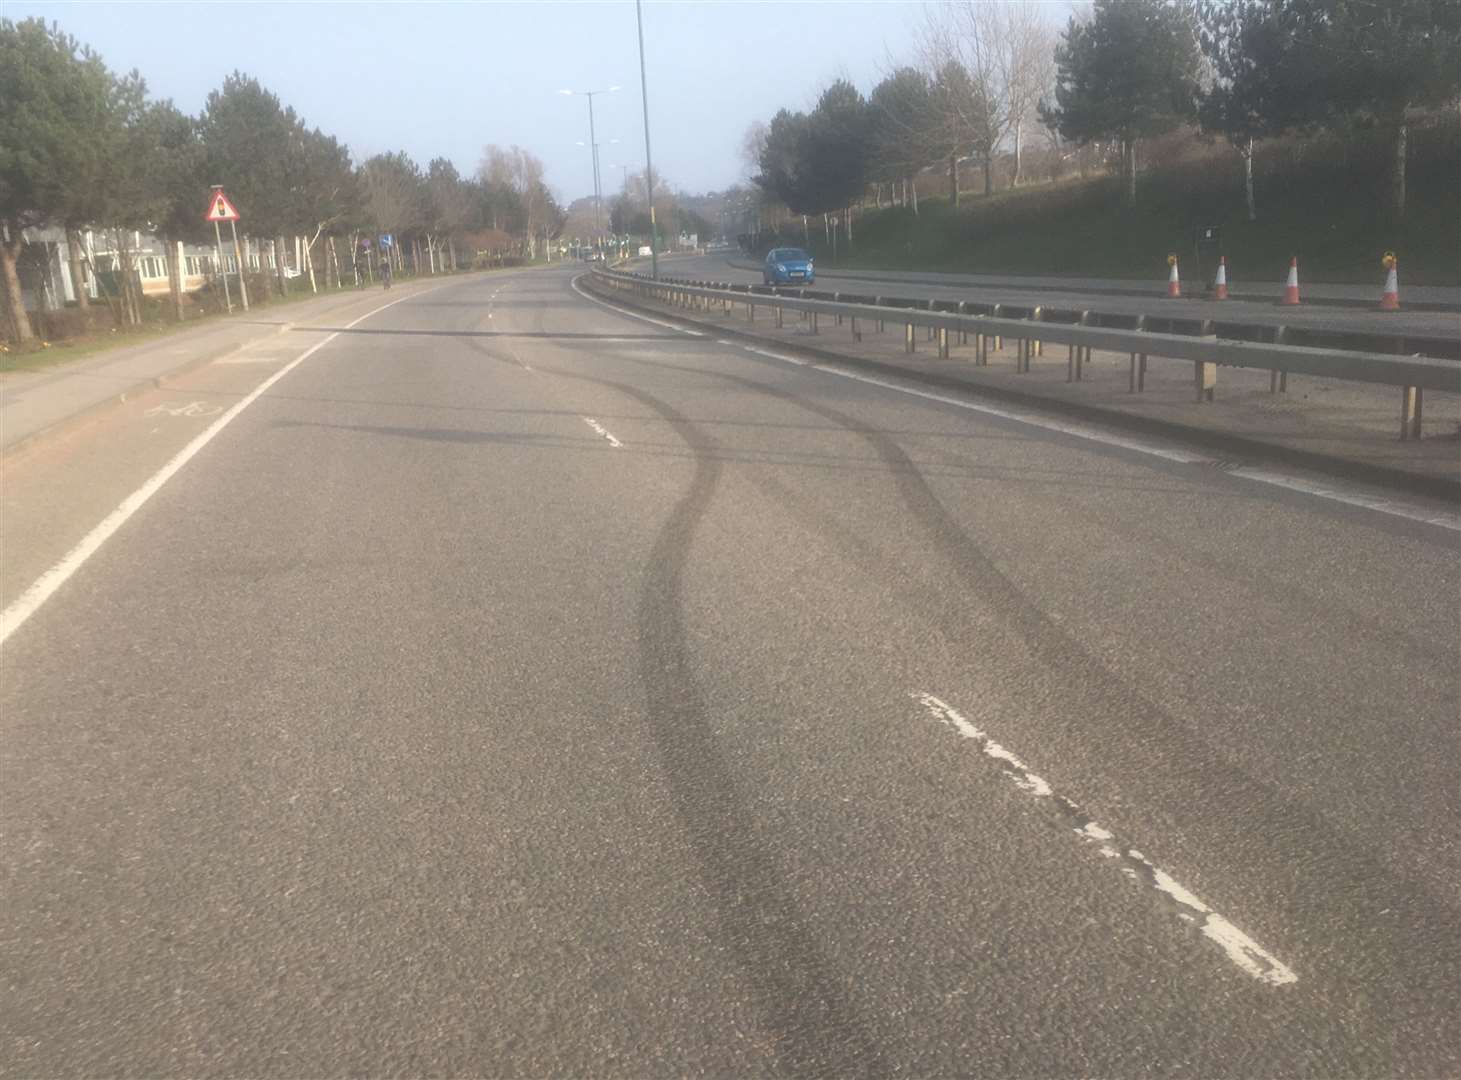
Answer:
(787, 266)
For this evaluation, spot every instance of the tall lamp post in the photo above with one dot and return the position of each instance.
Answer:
(648, 160)
(593, 145)
(598, 180)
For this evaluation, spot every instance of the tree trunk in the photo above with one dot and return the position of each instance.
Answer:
(78, 275)
(849, 228)
(1248, 182)
(913, 186)
(174, 276)
(15, 303)
(451, 251)
(278, 244)
(954, 179)
(989, 173)
(1397, 171)
(1019, 147)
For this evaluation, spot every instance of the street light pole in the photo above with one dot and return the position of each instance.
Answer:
(593, 148)
(648, 160)
(593, 144)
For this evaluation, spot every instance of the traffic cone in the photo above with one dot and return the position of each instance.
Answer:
(1291, 290)
(1220, 286)
(1174, 283)
(1390, 298)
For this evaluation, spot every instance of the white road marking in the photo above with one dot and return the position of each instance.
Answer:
(246, 360)
(591, 422)
(1242, 950)
(778, 356)
(29, 602)
(632, 314)
(192, 408)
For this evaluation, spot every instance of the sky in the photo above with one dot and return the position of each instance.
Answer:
(445, 79)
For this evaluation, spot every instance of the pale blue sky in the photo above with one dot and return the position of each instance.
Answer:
(447, 78)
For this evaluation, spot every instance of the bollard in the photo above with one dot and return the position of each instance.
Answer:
(943, 342)
(963, 331)
(908, 337)
(877, 302)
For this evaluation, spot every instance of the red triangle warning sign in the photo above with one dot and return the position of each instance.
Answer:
(220, 209)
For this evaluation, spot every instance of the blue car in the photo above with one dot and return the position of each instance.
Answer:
(787, 266)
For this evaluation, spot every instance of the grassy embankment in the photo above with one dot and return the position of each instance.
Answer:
(1320, 200)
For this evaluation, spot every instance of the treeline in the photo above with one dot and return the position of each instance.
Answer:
(986, 74)
(82, 147)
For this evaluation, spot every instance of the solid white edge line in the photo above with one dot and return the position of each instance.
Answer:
(1243, 951)
(573, 283)
(29, 602)
(1330, 492)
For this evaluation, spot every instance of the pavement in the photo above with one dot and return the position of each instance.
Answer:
(497, 683)
(1096, 295)
(35, 402)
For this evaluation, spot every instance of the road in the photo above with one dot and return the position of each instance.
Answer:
(516, 687)
(733, 267)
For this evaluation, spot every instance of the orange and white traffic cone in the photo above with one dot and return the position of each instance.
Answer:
(1220, 286)
(1390, 298)
(1291, 290)
(1174, 283)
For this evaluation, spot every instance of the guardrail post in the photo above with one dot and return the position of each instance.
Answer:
(981, 349)
(1037, 316)
(1411, 400)
(963, 330)
(908, 337)
(856, 333)
(750, 312)
(837, 299)
(778, 317)
(943, 342)
(878, 302)
(814, 322)
(1278, 379)
(1205, 377)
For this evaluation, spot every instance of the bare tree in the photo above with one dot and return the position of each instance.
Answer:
(1007, 51)
(963, 34)
(1025, 55)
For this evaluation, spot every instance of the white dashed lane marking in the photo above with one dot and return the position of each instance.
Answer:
(1242, 950)
(591, 422)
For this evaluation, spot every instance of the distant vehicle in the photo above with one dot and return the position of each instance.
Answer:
(784, 266)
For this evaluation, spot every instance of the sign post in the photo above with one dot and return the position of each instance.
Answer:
(220, 209)
(222, 270)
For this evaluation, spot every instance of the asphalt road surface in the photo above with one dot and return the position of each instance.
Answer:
(515, 687)
(734, 267)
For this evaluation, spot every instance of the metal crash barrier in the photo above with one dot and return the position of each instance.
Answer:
(986, 323)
